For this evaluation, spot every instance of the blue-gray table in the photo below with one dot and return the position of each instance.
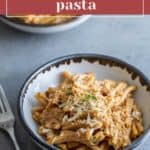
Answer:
(22, 53)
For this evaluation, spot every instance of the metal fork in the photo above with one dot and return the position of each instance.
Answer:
(7, 119)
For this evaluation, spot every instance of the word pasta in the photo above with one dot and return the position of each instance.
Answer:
(75, 6)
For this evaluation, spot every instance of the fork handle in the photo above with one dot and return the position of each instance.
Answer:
(12, 135)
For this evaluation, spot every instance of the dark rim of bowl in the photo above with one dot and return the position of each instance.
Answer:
(61, 60)
(36, 25)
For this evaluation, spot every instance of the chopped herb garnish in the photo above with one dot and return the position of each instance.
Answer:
(69, 91)
(93, 139)
(89, 97)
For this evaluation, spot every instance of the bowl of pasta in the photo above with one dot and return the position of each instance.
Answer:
(44, 23)
(86, 102)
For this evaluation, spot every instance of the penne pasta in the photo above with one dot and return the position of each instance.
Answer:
(83, 113)
(45, 19)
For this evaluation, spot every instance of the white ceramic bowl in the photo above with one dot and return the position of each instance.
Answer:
(104, 67)
(45, 28)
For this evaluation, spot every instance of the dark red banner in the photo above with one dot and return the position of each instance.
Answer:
(146, 6)
(2, 6)
(24, 7)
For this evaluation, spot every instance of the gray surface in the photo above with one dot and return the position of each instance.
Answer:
(21, 53)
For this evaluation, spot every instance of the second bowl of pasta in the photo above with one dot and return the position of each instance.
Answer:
(44, 23)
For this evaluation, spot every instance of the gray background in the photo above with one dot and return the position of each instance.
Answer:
(127, 38)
